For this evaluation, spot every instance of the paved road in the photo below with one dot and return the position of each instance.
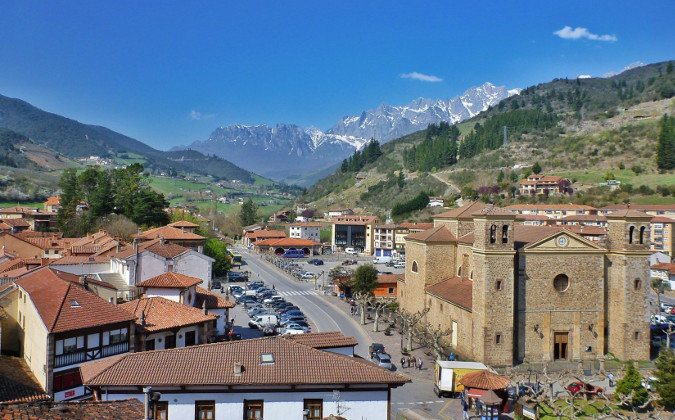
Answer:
(327, 317)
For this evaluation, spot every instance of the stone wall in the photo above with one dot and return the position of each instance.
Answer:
(442, 312)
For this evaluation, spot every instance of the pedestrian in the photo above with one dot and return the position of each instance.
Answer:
(414, 361)
(611, 379)
(419, 363)
(402, 362)
(465, 410)
(451, 357)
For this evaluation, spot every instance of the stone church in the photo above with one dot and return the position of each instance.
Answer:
(513, 293)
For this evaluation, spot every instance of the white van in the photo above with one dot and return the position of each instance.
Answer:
(381, 260)
(261, 321)
(351, 251)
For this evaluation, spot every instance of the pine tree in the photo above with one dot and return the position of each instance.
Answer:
(665, 375)
(665, 149)
(536, 168)
(632, 382)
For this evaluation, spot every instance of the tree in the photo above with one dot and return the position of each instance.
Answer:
(408, 322)
(379, 306)
(665, 378)
(148, 208)
(536, 168)
(118, 225)
(400, 180)
(433, 338)
(248, 214)
(363, 284)
(218, 251)
(631, 386)
(665, 149)
(500, 176)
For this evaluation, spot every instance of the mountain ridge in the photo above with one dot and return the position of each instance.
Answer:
(288, 150)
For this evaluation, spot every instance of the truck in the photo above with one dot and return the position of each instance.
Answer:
(448, 374)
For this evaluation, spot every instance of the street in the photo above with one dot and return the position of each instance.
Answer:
(327, 316)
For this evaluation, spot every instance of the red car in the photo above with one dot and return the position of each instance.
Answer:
(349, 262)
(580, 387)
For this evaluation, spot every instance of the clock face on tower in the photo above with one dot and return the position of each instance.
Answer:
(562, 241)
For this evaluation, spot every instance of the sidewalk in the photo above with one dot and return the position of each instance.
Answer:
(392, 344)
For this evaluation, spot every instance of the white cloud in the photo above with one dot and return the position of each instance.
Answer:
(568, 33)
(421, 77)
(195, 115)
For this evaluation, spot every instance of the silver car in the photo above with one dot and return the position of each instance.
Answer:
(383, 360)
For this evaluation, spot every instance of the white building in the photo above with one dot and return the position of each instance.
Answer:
(435, 202)
(271, 378)
(311, 231)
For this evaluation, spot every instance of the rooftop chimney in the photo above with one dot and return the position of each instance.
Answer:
(142, 319)
(204, 306)
(238, 369)
(136, 243)
(83, 280)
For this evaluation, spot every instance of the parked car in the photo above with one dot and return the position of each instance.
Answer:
(234, 287)
(383, 360)
(291, 320)
(292, 331)
(215, 285)
(351, 251)
(307, 276)
(381, 260)
(577, 387)
(315, 261)
(272, 299)
(288, 309)
(294, 312)
(262, 320)
(400, 264)
(294, 253)
(349, 262)
(375, 348)
(236, 276)
(296, 326)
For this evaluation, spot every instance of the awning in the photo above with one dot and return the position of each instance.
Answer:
(476, 393)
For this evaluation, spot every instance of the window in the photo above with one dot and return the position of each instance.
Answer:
(150, 344)
(161, 410)
(498, 285)
(637, 335)
(638, 284)
(253, 409)
(493, 234)
(642, 234)
(498, 339)
(414, 267)
(561, 282)
(67, 380)
(205, 410)
(505, 234)
(390, 290)
(440, 307)
(170, 342)
(190, 338)
(630, 234)
(459, 271)
(314, 409)
(118, 336)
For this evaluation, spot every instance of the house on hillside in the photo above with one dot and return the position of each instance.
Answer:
(384, 240)
(536, 184)
(435, 202)
(173, 235)
(57, 324)
(306, 230)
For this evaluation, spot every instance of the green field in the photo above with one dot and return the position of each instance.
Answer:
(5, 204)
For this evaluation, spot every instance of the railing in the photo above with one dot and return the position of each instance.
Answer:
(90, 354)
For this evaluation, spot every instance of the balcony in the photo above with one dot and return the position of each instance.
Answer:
(85, 355)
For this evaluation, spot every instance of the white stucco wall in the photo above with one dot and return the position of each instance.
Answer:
(361, 405)
(347, 351)
(180, 337)
(82, 269)
(170, 294)
(194, 264)
(220, 323)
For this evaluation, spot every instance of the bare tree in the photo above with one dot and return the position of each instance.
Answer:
(363, 300)
(409, 321)
(118, 225)
(433, 337)
(379, 305)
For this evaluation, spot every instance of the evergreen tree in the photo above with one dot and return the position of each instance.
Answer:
(500, 176)
(70, 198)
(400, 180)
(536, 168)
(248, 214)
(665, 149)
(218, 251)
(665, 378)
(632, 383)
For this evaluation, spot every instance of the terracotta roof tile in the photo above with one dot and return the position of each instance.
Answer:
(466, 239)
(323, 340)
(163, 314)
(628, 213)
(65, 305)
(549, 207)
(306, 224)
(53, 200)
(462, 212)
(11, 265)
(213, 301)
(584, 218)
(491, 210)
(282, 242)
(662, 219)
(213, 364)
(166, 250)
(437, 234)
(524, 235)
(184, 224)
(17, 382)
(484, 379)
(641, 207)
(99, 410)
(16, 222)
(389, 278)
(169, 233)
(171, 280)
(455, 290)
(265, 234)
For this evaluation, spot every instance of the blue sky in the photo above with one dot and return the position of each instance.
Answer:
(168, 72)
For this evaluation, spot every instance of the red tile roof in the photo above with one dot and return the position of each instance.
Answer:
(464, 212)
(171, 280)
(213, 301)
(670, 267)
(437, 234)
(166, 250)
(16, 222)
(11, 265)
(417, 226)
(265, 234)
(305, 224)
(286, 242)
(49, 410)
(184, 224)
(549, 207)
(163, 314)
(169, 233)
(662, 219)
(213, 364)
(389, 278)
(53, 201)
(484, 379)
(323, 340)
(535, 217)
(17, 383)
(65, 305)
(641, 207)
(628, 213)
(454, 290)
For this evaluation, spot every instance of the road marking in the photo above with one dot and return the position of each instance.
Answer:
(440, 413)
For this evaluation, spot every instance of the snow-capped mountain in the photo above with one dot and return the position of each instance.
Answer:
(287, 150)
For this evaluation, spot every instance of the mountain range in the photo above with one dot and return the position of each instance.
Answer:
(294, 154)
